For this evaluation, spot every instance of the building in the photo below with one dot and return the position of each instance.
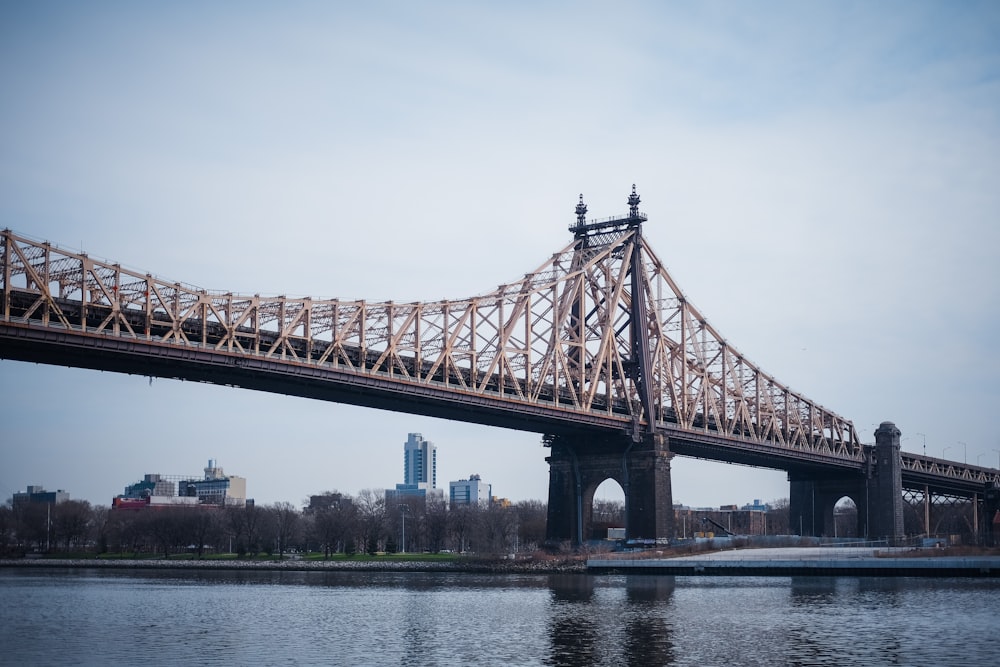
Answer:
(326, 502)
(37, 494)
(155, 490)
(150, 485)
(472, 491)
(757, 505)
(216, 488)
(419, 462)
(419, 471)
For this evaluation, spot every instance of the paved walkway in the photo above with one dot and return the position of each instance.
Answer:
(882, 561)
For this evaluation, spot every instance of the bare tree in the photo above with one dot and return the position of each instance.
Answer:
(286, 521)
(245, 523)
(6, 527)
(372, 518)
(165, 526)
(436, 524)
(462, 523)
(71, 522)
(31, 521)
(203, 526)
(778, 517)
(101, 516)
(496, 525)
(531, 518)
(334, 521)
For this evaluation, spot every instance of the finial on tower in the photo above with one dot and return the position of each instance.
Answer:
(633, 203)
(581, 212)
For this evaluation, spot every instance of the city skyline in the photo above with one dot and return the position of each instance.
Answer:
(819, 180)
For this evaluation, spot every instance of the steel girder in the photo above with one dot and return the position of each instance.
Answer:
(563, 337)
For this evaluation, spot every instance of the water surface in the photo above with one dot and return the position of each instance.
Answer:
(124, 617)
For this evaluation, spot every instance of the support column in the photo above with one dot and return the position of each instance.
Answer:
(649, 497)
(991, 515)
(885, 485)
(561, 524)
(802, 515)
(578, 465)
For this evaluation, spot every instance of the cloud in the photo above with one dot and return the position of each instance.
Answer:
(820, 180)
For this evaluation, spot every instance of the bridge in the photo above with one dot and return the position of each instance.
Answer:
(596, 349)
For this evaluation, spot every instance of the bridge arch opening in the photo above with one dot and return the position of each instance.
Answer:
(845, 517)
(607, 510)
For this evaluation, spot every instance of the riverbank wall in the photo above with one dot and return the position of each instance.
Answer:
(805, 562)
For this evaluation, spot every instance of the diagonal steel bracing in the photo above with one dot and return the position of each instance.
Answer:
(598, 335)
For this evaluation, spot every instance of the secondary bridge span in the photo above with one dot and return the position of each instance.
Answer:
(597, 349)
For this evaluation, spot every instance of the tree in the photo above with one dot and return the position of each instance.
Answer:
(165, 526)
(334, 521)
(31, 521)
(778, 517)
(606, 514)
(71, 522)
(461, 522)
(496, 525)
(6, 527)
(285, 519)
(246, 520)
(126, 529)
(101, 526)
(531, 518)
(371, 519)
(203, 526)
(436, 524)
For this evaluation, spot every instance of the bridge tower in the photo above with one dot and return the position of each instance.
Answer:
(639, 458)
(885, 484)
(877, 492)
(579, 464)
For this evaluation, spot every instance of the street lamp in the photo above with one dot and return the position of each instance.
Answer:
(943, 451)
(998, 457)
(925, 441)
(964, 450)
(403, 509)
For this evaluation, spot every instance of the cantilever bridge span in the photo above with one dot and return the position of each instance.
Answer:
(597, 349)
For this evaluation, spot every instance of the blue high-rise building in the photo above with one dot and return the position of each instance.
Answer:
(419, 462)
(419, 470)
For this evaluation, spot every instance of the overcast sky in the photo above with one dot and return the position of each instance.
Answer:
(822, 180)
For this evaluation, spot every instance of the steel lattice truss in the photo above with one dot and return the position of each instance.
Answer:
(926, 467)
(599, 328)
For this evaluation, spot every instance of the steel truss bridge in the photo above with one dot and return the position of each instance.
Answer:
(596, 344)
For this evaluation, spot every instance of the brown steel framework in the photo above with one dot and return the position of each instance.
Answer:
(597, 338)
(562, 337)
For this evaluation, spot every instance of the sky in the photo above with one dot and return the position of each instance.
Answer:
(821, 179)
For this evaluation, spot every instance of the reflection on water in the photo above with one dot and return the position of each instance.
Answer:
(648, 639)
(245, 617)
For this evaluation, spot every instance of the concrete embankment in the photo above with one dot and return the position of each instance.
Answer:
(298, 565)
(806, 562)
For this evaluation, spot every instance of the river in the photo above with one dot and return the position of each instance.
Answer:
(180, 617)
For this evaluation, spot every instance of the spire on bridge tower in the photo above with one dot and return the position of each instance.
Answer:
(600, 229)
(633, 204)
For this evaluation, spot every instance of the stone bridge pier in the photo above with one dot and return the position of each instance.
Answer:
(877, 493)
(579, 464)
(991, 515)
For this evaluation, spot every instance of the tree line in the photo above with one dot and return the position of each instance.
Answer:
(339, 524)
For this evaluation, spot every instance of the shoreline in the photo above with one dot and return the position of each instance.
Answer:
(480, 567)
(787, 561)
(806, 561)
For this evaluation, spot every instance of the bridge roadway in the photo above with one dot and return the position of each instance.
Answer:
(56, 344)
